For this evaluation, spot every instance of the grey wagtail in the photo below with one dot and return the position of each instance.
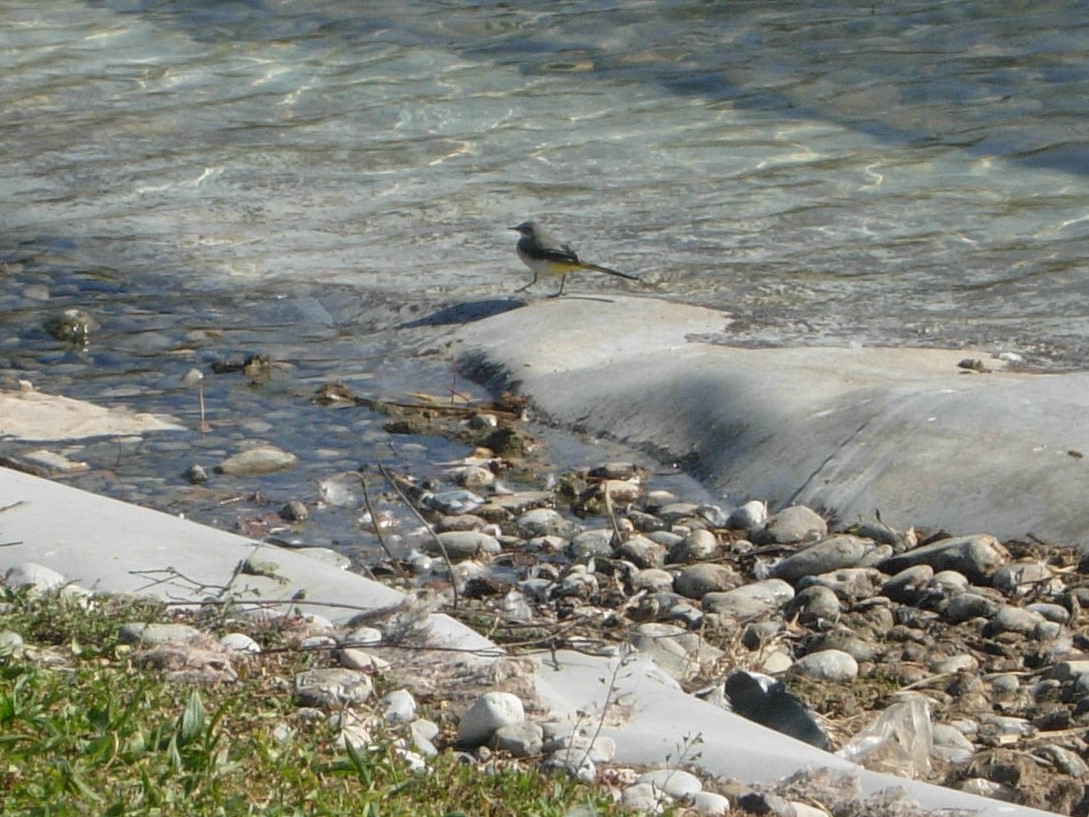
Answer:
(546, 256)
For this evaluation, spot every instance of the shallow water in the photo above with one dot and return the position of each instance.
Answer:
(216, 179)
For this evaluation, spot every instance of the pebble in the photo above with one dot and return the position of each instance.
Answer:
(332, 687)
(257, 461)
(750, 600)
(152, 634)
(751, 515)
(645, 798)
(463, 544)
(851, 584)
(239, 642)
(827, 665)
(677, 783)
(977, 556)
(590, 543)
(523, 739)
(397, 706)
(822, 557)
(39, 578)
(489, 712)
(643, 552)
(711, 804)
(791, 526)
(815, 606)
(909, 584)
(697, 546)
(696, 581)
(546, 522)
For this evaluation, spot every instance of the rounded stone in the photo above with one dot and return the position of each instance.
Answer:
(332, 687)
(261, 459)
(590, 543)
(850, 583)
(519, 739)
(39, 578)
(642, 552)
(489, 712)
(827, 665)
(908, 585)
(790, 526)
(977, 556)
(397, 706)
(545, 522)
(674, 782)
(645, 798)
(749, 600)
(710, 803)
(463, 544)
(965, 606)
(695, 581)
(814, 605)
(239, 642)
(653, 579)
(748, 516)
(138, 632)
(822, 557)
(699, 545)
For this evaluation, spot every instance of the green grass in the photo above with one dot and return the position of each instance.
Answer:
(83, 731)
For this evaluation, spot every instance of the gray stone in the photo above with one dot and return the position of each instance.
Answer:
(815, 605)
(908, 585)
(1010, 619)
(151, 634)
(1052, 612)
(239, 642)
(711, 804)
(965, 606)
(695, 581)
(676, 783)
(39, 578)
(1070, 668)
(1064, 760)
(332, 687)
(590, 543)
(642, 552)
(851, 584)
(748, 516)
(261, 459)
(749, 600)
(645, 798)
(949, 582)
(10, 642)
(463, 544)
(977, 556)
(545, 522)
(825, 556)
(763, 803)
(397, 706)
(1021, 578)
(827, 665)
(519, 739)
(489, 712)
(653, 579)
(860, 649)
(699, 545)
(950, 744)
(791, 526)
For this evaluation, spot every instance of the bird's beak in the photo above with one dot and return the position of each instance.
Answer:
(513, 228)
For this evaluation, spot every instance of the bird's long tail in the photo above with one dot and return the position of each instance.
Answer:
(597, 268)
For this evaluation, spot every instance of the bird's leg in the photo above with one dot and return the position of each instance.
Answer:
(563, 281)
(527, 286)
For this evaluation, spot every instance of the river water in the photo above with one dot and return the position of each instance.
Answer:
(302, 177)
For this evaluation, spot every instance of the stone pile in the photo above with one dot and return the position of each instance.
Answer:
(960, 660)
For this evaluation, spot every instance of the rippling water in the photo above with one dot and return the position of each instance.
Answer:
(829, 172)
(866, 172)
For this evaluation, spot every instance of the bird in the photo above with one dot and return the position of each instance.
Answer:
(544, 255)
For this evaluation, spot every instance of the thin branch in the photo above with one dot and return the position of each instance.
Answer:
(427, 526)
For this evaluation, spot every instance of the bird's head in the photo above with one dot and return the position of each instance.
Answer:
(526, 228)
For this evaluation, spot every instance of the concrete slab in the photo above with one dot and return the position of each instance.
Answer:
(849, 430)
(30, 415)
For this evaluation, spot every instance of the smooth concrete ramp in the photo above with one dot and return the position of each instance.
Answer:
(854, 431)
